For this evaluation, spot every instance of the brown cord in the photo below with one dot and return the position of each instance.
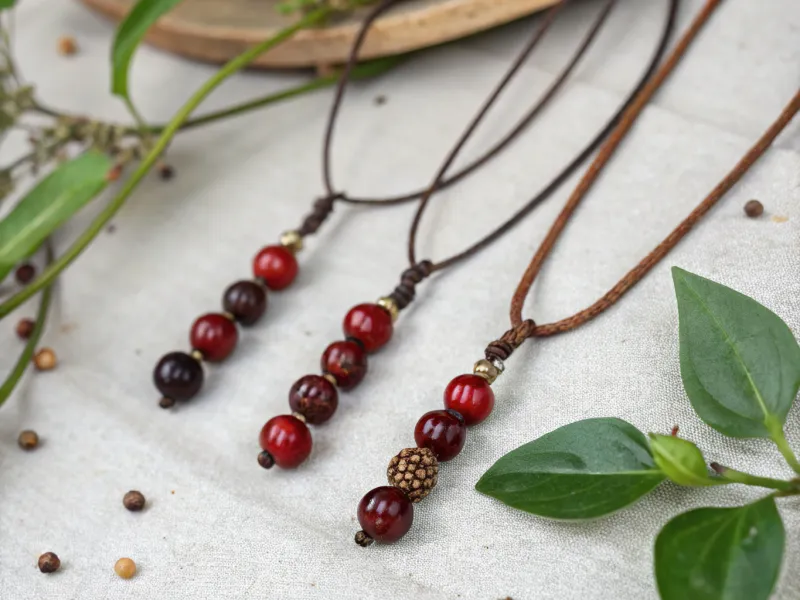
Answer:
(523, 329)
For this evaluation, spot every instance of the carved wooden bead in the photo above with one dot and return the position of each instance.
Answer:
(415, 471)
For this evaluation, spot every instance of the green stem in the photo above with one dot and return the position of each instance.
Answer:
(30, 347)
(96, 226)
(766, 482)
(141, 124)
(779, 437)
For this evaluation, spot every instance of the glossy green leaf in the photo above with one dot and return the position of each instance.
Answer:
(740, 363)
(54, 200)
(128, 37)
(681, 461)
(4, 4)
(580, 471)
(721, 553)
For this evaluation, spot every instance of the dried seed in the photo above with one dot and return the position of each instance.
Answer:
(28, 440)
(25, 328)
(166, 171)
(753, 209)
(45, 359)
(49, 562)
(125, 568)
(133, 501)
(25, 273)
(67, 46)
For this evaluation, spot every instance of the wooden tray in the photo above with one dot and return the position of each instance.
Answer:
(217, 30)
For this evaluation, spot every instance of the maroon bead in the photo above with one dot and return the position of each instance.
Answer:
(385, 514)
(441, 431)
(471, 396)
(25, 273)
(347, 362)
(370, 324)
(276, 265)
(246, 301)
(178, 376)
(287, 439)
(315, 398)
(214, 335)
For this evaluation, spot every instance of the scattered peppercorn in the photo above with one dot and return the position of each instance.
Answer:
(166, 402)
(380, 100)
(25, 328)
(44, 359)
(753, 209)
(114, 173)
(166, 171)
(49, 562)
(67, 46)
(25, 273)
(133, 501)
(125, 568)
(28, 440)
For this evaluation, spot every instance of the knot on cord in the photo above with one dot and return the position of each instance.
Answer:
(512, 339)
(403, 294)
(322, 208)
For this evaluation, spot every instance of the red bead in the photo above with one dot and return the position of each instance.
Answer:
(287, 439)
(471, 396)
(385, 514)
(276, 265)
(215, 335)
(370, 324)
(315, 398)
(347, 362)
(443, 432)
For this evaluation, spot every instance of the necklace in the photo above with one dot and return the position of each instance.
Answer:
(179, 375)
(286, 440)
(386, 513)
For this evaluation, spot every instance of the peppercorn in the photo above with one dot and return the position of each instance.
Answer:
(25, 273)
(753, 209)
(44, 359)
(49, 562)
(25, 328)
(125, 568)
(67, 46)
(166, 171)
(133, 501)
(166, 402)
(28, 440)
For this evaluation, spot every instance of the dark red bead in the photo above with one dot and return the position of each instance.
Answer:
(347, 362)
(276, 265)
(214, 335)
(370, 324)
(246, 301)
(178, 376)
(25, 273)
(471, 396)
(315, 398)
(287, 439)
(443, 432)
(385, 514)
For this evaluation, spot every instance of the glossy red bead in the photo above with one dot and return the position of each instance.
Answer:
(315, 398)
(346, 361)
(287, 439)
(276, 265)
(471, 396)
(385, 514)
(370, 324)
(443, 432)
(215, 335)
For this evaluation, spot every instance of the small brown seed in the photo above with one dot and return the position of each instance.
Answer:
(25, 273)
(753, 209)
(125, 568)
(45, 359)
(49, 562)
(133, 501)
(166, 402)
(67, 46)
(28, 440)
(25, 328)
(166, 171)
(265, 460)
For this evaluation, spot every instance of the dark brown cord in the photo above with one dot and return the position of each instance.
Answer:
(320, 211)
(403, 294)
(522, 329)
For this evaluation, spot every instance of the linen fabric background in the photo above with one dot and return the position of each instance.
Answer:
(217, 526)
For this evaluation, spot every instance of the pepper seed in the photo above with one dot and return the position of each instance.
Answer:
(753, 209)
(49, 562)
(28, 440)
(133, 501)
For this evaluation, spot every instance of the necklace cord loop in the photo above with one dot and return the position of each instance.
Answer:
(404, 293)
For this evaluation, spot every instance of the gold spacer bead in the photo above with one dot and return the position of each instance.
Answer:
(292, 241)
(330, 378)
(483, 368)
(299, 416)
(389, 305)
(197, 355)
(229, 316)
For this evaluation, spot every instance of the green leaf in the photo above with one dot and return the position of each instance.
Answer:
(681, 461)
(54, 200)
(7, 4)
(740, 363)
(580, 471)
(720, 553)
(129, 35)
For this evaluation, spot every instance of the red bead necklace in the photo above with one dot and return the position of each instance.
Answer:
(368, 327)
(179, 376)
(386, 513)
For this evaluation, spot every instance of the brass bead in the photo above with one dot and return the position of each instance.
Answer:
(483, 368)
(292, 241)
(330, 378)
(197, 355)
(299, 416)
(389, 305)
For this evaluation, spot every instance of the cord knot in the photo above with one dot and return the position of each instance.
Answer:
(322, 208)
(512, 339)
(404, 293)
